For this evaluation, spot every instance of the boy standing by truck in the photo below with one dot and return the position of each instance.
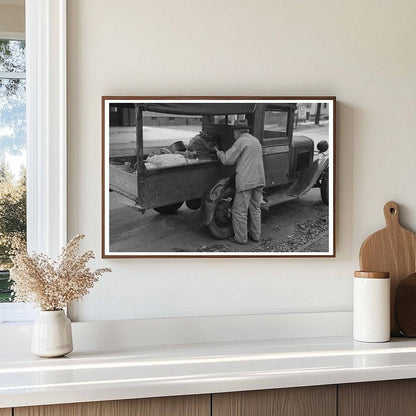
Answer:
(246, 154)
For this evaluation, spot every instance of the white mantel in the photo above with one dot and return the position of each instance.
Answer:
(154, 371)
(179, 356)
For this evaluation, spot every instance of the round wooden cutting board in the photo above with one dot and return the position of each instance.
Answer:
(393, 250)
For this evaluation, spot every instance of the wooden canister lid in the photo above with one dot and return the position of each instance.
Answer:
(372, 275)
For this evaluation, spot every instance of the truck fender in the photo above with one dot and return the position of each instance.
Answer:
(212, 193)
(324, 162)
(309, 177)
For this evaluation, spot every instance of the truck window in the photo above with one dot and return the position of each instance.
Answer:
(225, 119)
(219, 120)
(275, 124)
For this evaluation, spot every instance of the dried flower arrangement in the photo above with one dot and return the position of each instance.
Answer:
(53, 285)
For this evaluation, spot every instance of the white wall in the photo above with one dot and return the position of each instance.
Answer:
(361, 51)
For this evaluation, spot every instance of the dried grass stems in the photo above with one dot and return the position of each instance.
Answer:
(53, 285)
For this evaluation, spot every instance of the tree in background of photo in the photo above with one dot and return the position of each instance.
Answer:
(318, 114)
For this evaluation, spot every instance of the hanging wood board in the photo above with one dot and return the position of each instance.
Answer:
(393, 250)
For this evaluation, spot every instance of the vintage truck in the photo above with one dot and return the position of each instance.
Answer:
(292, 167)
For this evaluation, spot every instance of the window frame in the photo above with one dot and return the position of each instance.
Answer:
(46, 135)
(282, 140)
(12, 35)
(13, 312)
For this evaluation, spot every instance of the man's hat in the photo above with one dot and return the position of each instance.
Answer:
(241, 124)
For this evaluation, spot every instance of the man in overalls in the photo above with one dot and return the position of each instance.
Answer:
(246, 154)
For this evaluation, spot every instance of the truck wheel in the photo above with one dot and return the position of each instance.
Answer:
(193, 204)
(221, 225)
(325, 186)
(168, 209)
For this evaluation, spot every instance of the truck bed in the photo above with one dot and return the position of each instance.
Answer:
(167, 185)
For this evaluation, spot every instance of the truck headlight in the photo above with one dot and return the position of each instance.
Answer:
(322, 146)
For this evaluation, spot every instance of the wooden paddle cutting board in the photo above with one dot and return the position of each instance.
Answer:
(393, 250)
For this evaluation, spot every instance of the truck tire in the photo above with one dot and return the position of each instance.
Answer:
(168, 209)
(221, 225)
(325, 186)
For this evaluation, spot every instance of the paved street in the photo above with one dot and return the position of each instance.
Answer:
(295, 225)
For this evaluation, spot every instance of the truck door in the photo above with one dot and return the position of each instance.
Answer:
(276, 141)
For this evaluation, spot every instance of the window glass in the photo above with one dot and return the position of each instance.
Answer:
(219, 119)
(12, 56)
(275, 124)
(12, 156)
(226, 119)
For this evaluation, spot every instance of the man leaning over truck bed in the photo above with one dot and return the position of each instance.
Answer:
(246, 154)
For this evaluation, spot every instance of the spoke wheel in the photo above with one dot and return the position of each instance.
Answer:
(221, 225)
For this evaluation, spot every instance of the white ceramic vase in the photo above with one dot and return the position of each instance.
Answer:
(52, 334)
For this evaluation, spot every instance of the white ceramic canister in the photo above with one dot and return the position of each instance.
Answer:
(371, 313)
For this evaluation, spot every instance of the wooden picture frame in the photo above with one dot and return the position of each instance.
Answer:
(149, 163)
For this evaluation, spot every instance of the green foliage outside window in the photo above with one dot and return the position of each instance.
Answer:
(12, 145)
(12, 223)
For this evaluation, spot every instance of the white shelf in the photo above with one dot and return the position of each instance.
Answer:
(150, 371)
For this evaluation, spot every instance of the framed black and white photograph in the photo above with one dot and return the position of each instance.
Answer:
(218, 176)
